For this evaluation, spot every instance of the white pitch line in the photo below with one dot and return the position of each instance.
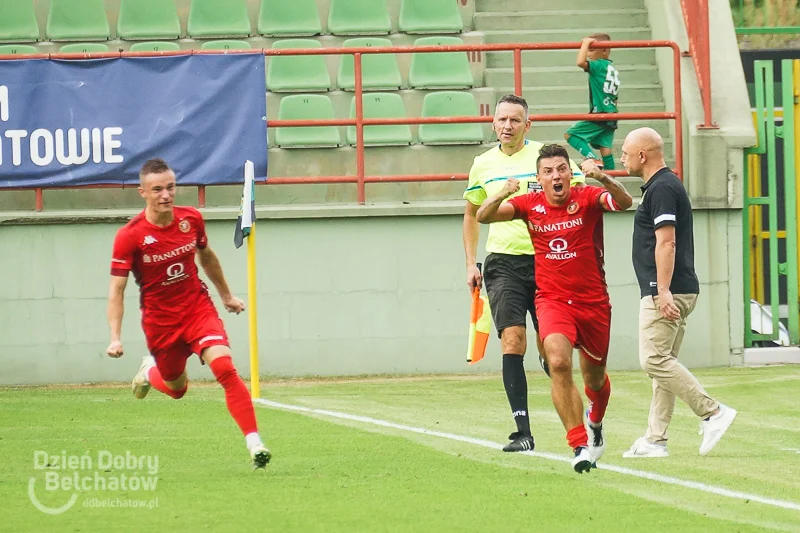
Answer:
(703, 487)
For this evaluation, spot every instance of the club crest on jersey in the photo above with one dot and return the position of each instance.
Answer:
(573, 208)
(534, 186)
(184, 226)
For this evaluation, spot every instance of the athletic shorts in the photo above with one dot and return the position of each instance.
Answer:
(511, 287)
(172, 346)
(587, 326)
(597, 134)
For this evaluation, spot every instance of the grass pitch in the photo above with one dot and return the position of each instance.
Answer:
(341, 475)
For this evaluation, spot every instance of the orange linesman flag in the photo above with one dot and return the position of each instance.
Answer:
(480, 325)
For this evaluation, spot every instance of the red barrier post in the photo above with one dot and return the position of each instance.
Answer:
(518, 71)
(362, 194)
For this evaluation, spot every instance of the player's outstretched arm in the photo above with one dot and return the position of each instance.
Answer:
(493, 209)
(620, 195)
(213, 269)
(116, 295)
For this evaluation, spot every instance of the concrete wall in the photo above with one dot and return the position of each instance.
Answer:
(350, 290)
(713, 158)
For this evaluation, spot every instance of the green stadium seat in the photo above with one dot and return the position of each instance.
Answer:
(155, 46)
(148, 19)
(381, 105)
(218, 18)
(83, 48)
(77, 20)
(429, 16)
(279, 18)
(439, 70)
(359, 17)
(302, 107)
(14, 49)
(450, 104)
(378, 71)
(226, 44)
(297, 73)
(18, 21)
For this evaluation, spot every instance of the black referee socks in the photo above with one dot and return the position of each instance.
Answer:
(516, 385)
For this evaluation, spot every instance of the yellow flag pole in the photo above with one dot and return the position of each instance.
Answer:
(252, 312)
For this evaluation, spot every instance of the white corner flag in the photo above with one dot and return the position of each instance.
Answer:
(247, 210)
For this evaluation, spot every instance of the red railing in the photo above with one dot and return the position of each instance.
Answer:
(360, 178)
(695, 15)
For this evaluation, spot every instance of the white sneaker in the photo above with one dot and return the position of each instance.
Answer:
(141, 381)
(646, 449)
(583, 461)
(260, 456)
(597, 442)
(715, 428)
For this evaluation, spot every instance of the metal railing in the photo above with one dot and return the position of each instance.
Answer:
(361, 178)
(776, 19)
(695, 15)
(765, 200)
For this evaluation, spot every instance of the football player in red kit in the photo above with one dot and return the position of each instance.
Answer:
(159, 246)
(572, 303)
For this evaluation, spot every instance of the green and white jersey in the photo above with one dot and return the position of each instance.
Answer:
(487, 177)
(603, 86)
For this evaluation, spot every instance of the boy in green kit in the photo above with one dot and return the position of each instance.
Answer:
(603, 88)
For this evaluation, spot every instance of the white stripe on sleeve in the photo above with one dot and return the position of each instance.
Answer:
(666, 216)
(611, 205)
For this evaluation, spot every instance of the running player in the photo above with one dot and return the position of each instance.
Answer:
(572, 303)
(159, 246)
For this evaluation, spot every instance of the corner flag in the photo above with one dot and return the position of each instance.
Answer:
(247, 210)
(246, 229)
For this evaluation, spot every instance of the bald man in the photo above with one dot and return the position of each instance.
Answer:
(663, 258)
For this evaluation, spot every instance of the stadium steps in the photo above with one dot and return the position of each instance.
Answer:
(551, 81)
(542, 20)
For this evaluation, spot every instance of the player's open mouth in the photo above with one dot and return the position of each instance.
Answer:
(558, 187)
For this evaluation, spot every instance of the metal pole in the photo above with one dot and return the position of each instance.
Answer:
(790, 205)
(359, 128)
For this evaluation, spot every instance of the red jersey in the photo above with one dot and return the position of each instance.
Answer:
(568, 243)
(163, 264)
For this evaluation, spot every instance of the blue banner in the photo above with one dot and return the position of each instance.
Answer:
(96, 121)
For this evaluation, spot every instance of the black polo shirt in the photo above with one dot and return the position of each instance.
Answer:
(664, 201)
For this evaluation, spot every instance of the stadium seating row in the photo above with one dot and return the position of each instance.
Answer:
(439, 70)
(378, 105)
(86, 20)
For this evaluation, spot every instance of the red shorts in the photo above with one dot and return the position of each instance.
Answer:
(587, 326)
(173, 345)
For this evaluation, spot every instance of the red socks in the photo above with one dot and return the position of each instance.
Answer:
(577, 437)
(237, 397)
(598, 401)
(157, 382)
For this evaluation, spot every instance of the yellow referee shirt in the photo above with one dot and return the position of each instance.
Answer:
(488, 175)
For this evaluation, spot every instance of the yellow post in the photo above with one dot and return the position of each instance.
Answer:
(252, 312)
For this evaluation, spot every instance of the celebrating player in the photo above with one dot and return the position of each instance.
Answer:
(572, 303)
(178, 317)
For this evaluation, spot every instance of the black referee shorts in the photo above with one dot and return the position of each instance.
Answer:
(511, 286)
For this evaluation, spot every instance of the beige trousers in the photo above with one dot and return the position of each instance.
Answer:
(659, 344)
